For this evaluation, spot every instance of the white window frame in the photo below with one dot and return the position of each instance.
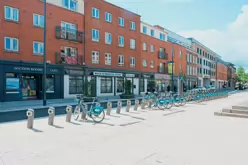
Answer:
(95, 57)
(108, 17)
(68, 31)
(152, 64)
(108, 38)
(40, 45)
(144, 46)
(153, 33)
(145, 65)
(95, 12)
(132, 62)
(132, 44)
(121, 22)
(93, 38)
(11, 44)
(12, 14)
(69, 6)
(72, 50)
(133, 26)
(121, 60)
(152, 48)
(144, 28)
(163, 37)
(121, 41)
(39, 17)
(108, 58)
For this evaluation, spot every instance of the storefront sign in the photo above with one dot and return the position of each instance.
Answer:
(162, 76)
(109, 74)
(29, 69)
(146, 76)
(130, 75)
(74, 72)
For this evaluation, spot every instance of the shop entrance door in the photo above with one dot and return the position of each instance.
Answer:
(29, 87)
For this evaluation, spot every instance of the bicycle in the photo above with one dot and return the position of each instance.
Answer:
(94, 112)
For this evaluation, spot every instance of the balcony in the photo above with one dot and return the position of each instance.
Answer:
(163, 55)
(68, 59)
(69, 34)
(163, 70)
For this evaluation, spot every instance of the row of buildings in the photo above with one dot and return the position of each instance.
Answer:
(94, 47)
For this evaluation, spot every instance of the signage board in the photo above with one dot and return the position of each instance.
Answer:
(109, 74)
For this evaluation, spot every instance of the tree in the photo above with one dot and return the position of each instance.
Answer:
(242, 76)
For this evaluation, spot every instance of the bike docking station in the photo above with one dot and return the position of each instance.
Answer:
(143, 102)
(119, 106)
(68, 113)
(83, 115)
(109, 108)
(129, 103)
(30, 115)
(51, 112)
(136, 105)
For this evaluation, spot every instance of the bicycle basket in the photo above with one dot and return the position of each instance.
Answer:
(97, 110)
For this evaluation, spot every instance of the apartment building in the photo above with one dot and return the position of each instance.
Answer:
(112, 49)
(192, 69)
(222, 73)
(22, 48)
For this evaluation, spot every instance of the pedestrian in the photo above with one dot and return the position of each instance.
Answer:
(168, 88)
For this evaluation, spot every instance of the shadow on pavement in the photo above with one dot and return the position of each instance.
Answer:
(59, 127)
(36, 130)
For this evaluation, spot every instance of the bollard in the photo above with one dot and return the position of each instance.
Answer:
(30, 115)
(119, 106)
(143, 102)
(51, 112)
(83, 115)
(68, 113)
(150, 104)
(109, 108)
(129, 103)
(136, 105)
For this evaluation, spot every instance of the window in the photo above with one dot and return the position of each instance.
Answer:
(152, 33)
(132, 44)
(95, 35)
(108, 59)
(181, 69)
(50, 84)
(132, 62)
(121, 22)
(76, 84)
(11, 44)
(133, 26)
(11, 14)
(68, 30)
(108, 17)
(70, 4)
(152, 64)
(121, 60)
(12, 83)
(142, 85)
(144, 47)
(121, 41)
(95, 13)
(38, 48)
(120, 85)
(152, 48)
(144, 30)
(71, 52)
(108, 38)
(38, 20)
(145, 63)
(162, 37)
(106, 85)
(181, 55)
(95, 57)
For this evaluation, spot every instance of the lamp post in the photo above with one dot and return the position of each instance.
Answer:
(44, 59)
(172, 71)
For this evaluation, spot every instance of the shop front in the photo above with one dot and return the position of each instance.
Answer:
(163, 82)
(191, 82)
(23, 81)
(73, 81)
(147, 82)
(107, 83)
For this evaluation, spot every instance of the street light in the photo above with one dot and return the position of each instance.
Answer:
(44, 59)
(172, 72)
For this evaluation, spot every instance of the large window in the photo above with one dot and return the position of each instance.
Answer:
(106, 85)
(38, 48)
(142, 85)
(11, 14)
(11, 44)
(108, 17)
(12, 83)
(70, 4)
(38, 20)
(50, 84)
(76, 85)
(120, 85)
(121, 22)
(95, 13)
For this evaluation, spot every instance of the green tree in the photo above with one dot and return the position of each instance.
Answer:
(242, 75)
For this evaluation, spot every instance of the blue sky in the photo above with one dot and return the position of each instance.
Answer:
(221, 25)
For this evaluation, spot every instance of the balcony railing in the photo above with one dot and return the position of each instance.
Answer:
(162, 70)
(62, 58)
(163, 55)
(69, 34)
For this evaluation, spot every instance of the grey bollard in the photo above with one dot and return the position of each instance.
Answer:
(136, 105)
(129, 103)
(68, 113)
(30, 115)
(51, 112)
(149, 104)
(83, 115)
(109, 108)
(119, 106)
(143, 102)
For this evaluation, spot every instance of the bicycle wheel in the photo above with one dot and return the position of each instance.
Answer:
(169, 104)
(76, 112)
(161, 104)
(97, 114)
(183, 101)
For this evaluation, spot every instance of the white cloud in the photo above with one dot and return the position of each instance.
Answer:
(231, 44)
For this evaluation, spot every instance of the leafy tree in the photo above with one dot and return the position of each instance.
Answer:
(242, 75)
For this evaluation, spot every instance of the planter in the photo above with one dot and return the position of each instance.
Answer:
(127, 96)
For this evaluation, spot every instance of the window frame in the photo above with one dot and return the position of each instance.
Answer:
(120, 38)
(96, 53)
(95, 13)
(108, 17)
(39, 48)
(121, 20)
(132, 62)
(133, 47)
(108, 38)
(98, 34)
(121, 60)
(39, 20)
(69, 5)
(78, 85)
(11, 44)
(133, 26)
(108, 59)
(12, 17)
(105, 85)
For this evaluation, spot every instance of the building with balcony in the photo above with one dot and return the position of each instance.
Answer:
(112, 49)
(22, 48)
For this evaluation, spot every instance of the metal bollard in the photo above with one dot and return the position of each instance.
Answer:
(68, 113)
(149, 104)
(51, 112)
(129, 103)
(83, 115)
(30, 115)
(136, 105)
(109, 108)
(119, 106)
(143, 102)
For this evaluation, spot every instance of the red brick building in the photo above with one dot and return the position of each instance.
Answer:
(222, 73)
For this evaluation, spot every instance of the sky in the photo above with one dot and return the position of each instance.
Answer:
(221, 25)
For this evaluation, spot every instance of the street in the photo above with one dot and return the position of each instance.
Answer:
(189, 135)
